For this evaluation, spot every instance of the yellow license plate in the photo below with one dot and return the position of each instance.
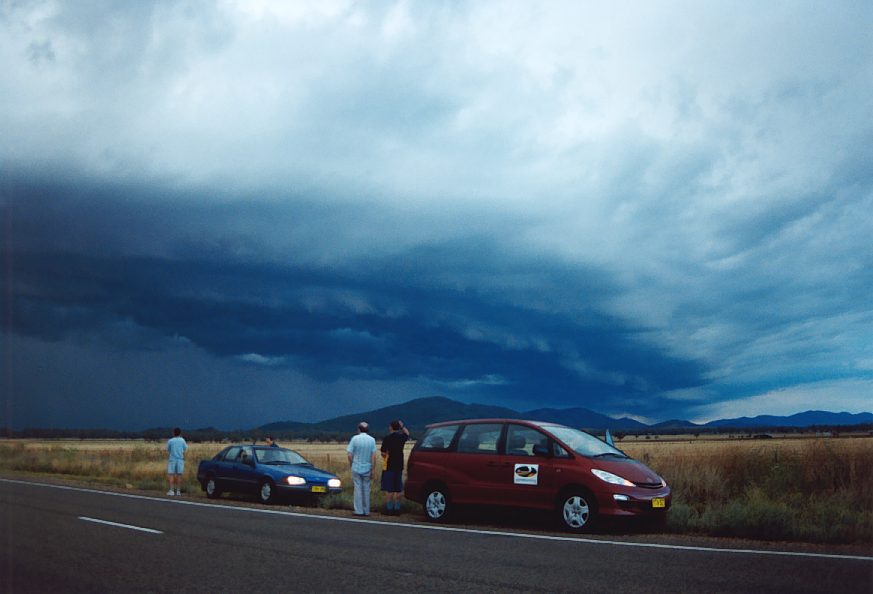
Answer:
(659, 502)
(317, 489)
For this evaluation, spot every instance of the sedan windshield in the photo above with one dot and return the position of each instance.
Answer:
(583, 443)
(280, 456)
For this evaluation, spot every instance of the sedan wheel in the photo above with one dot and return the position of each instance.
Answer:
(267, 492)
(575, 512)
(436, 505)
(211, 489)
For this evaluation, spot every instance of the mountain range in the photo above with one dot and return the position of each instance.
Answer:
(423, 411)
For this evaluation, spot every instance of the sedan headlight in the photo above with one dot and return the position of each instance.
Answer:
(334, 483)
(295, 480)
(612, 479)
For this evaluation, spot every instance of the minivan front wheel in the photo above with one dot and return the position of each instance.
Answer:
(576, 511)
(436, 504)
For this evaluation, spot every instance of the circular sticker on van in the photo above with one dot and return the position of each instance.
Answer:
(526, 474)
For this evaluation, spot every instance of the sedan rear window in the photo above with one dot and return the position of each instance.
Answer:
(231, 454)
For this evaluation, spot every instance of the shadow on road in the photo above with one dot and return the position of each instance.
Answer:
(538, 520)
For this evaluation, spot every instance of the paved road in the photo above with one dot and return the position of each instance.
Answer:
(56, 539)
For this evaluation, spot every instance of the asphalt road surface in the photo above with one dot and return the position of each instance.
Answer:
(63, 539)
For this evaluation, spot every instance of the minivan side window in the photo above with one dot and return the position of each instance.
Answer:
(520, 440)
(480, 438)
(438, 438)
(558, 451)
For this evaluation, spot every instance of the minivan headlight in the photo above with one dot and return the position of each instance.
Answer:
(612, 479)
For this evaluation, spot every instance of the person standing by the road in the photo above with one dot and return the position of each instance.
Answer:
(392, 467)
(362, 459)
(177, 447)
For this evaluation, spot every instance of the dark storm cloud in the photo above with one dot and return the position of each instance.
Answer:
(429, 313)
(344, 204)
(453, 312)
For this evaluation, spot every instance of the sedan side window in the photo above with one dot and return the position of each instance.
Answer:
(480, 438)
(232, 454)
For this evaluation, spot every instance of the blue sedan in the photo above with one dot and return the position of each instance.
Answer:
(267, 471)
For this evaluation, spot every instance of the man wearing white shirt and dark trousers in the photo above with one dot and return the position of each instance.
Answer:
(362, 458)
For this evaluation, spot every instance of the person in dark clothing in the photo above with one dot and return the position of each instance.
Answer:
(271, 442)
(392, 465)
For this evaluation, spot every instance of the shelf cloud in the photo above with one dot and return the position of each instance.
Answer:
(323, 208)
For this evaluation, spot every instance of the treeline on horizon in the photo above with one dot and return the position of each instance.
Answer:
(211, 434)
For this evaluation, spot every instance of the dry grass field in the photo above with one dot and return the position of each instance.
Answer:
(810, 489)
(804, 489)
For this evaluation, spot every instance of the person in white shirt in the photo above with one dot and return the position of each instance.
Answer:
(362, 459)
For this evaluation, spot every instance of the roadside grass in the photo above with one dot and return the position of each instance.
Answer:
(813, 490)
(816, 490)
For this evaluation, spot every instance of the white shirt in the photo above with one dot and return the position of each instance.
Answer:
(362, 447)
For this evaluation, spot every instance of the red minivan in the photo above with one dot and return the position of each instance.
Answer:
(532, 464)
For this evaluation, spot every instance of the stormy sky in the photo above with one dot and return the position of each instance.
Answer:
(233, 213)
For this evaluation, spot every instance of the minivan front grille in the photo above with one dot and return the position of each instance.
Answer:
(649, 485)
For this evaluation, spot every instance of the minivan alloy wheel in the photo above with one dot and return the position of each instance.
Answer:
(575, 511)
(436, 505)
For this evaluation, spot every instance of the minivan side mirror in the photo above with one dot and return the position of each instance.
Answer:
(541, 450)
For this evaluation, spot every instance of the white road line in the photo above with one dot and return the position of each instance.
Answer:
(128, 526)
(569, 539)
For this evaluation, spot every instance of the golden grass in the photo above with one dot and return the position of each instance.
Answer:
(818, 489)
(814, 489)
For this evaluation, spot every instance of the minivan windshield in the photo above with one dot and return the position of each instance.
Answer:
(583, 443)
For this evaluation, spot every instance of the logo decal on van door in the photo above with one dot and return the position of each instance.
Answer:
(526, 474)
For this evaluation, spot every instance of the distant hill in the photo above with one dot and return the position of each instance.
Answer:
(581, 417)
(423, 411)
(809, 418)
(284, 426)
(418, 413)
(674, 424)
